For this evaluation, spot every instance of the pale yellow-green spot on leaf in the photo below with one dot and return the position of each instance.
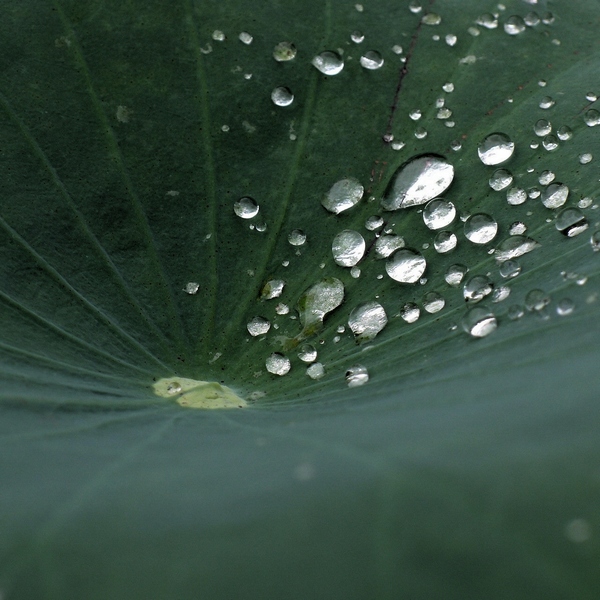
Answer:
(192, 393)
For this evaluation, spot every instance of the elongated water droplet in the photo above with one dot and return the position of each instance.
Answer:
(258, 326)
(500, 179)
(417, 181)
(357, 375)
(371, 60)
(344, 194)
(479, 322)
(246, 208)
(272, 289)
(320, 299)
(487, 20)
(282, 96)
(348, 248)
(386, 244)
(431, 19)
(433, 302)
(278, 364)
(406, 266)
(477, 288)
(367, 320)
(571, 222)
(495, 149)
(515, 246)
(329, 63)
(480, 228)
(410, 312)
(439, 213)
(284, 51)
(455, 274)
(445, 241)
(555, 195)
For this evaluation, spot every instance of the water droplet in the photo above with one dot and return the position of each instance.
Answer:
(564, 133)
(439, 213)
(355, 272)
(477, 288)
(348, 248)
(585, 202)
(500, 294)
(406, 266)
(282, 96)
(415, 7)
(398, 145)
(282, 309)
(431, 19)
(387, 244)
(420, 133)
(315, 371)
(533, 192)
(514, 25)
(480, 228)
(371, 60)
(258, 326)
(550, 143)
(373, 223)
(410, 312)
(479, 322)
(455, 274)
(318, 300)
(500, 179)
(357, 375)
(284, 51)
(357, 37)
(191, 288)
(592, 117)
(344, 194)
(329, 63)
(546, 177)
(448, 87)
(367, 320)
(218, 35)
(272, 289)
(487, 20)
(397, 49)
(536, 300)
(547, 102)
(565, 307)
(510, 269)
(515, 312)
(515, 246)
(555, 195)
(246, 208)
(585, 158)
(591, 97)
(516, 196)
(451, 39)
(542, 127)
(445, 241)
(297, 237)
(415, 114)
(307, 353)
(418, 181)
(595, 241)
(455, 146)
(517, 228)
(245, 38)
(278, 364)
(495, 149)
(433, 302)
(571, 222)
(531, 19)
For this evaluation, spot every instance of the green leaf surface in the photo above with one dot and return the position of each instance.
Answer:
(464, 468)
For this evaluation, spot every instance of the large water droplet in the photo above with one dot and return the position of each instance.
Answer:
(495, 149)
(282, 96)
(479, 322)
(445, 241)
(278, 364)
(515, 246)
(555, 195)
(417, 181)
(344, 194)
(367, 320)
(571, 222)
(258, 326)
(500, 179)
(284, 51)
(410, 312)
(329, 63)
(481, 228)
(477, 288)
(386, 244)
(348, 248)
(455, 274)
(406, 266)
(371, 60)
(320, 299)
(357, 375)
(439, 213)
(246, 208)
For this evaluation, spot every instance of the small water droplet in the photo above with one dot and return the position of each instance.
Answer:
(495, 149)
(307, 353)
(415, 7)
(591, 97)
(487, 20)
(318, 300)
(357, 37)
(433, 302)
(500, 294)
(406, 266)
(477, 288)
(284, 51)
(315, 371)
(348, 248)
(297, 237)
(245, 38)
(258, 326)
(536, 300)
(448, 87)
(595, 241)
(455, 274)
(387, 244)
(397, 49)
(420, 133)
(355, 272)
(367, 320)
(398, 145)
(515, 246)
(555, 195)
(564, 133)
(550, 143)
(415, 114)
(546, 177)
(514, 25)
(451, 39)
(218, 35)
(533, 193)
(479, 322)
(329, 63)
(515, 312)
(547, 102)
(438, 213)
(282, 309)
(431, 19)
(174, 388)
(371, 60)
(565, 307)
(585, 158)
(542, 127)
(278, 364)
(531, 19)
(517, 228)
(571, 222)
(585, 202)
(246, 208)
(417, 181)
(455, 146)
(373, 223)
(516, 196)
(357, 375)
(592, 117)
(410, 312)
(272, 289)
(191, 288)
(480, 228)
(445, 241)
(510, 269)
(344, 194)
(282, 96)
(500, 179)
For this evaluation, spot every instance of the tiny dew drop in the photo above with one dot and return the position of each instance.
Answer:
(495, 149)
(315, 371)
(246, 208)
(410, 312)
(348, 248)
(367, 320)
(371, 60)
(585, 202)
(357, 375)
(344, 194)
(500, 179)
(501, 293)
(406, 266)
(532, 19)
(439, 213)
(510, 269)
(571, 222)
(542, 127)
(455, 274)
(284, 51)
(307, 353)
(565, 307)
(282, 96)
(514, 25)
(387, 244)
(282, 309)
(258, 326)
(479, 322)
(591, 97)
(218, 35)
(415, 114)
(445, 241)
(329, 63)
(477, 288)
(555, 195)
(421, 133)
(297, 237)
(278, 364)
(480, 228)
(433, 302)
